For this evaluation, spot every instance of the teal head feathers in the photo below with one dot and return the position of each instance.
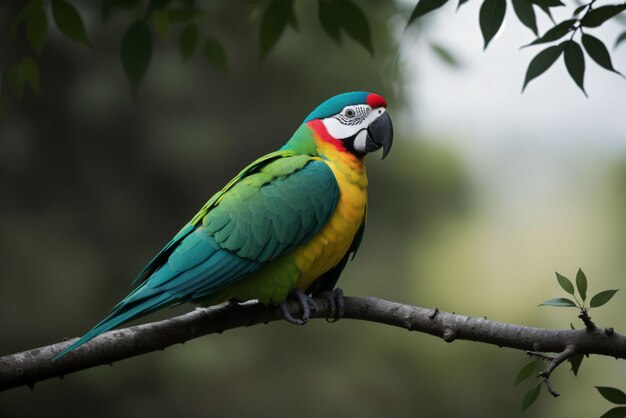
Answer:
(355, 122)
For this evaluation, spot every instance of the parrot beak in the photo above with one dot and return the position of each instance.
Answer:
(380, 135)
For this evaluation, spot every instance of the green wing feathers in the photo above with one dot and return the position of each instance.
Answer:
(271, 212)
(277, 203)
(186, 230)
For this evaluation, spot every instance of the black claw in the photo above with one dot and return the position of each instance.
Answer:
(288, 317)
(336, 304)
(332, 306)
(306, 303)
(341, 303)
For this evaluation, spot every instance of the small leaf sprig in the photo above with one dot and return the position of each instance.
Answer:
(576, 359)
(596, 301)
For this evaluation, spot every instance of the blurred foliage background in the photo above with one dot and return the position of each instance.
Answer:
(93, 182)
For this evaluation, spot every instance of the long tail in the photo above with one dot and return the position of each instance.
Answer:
(126, 311)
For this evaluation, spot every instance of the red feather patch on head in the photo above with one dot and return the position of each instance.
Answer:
(374, 101)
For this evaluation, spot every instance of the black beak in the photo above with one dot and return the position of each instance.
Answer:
(380, 135)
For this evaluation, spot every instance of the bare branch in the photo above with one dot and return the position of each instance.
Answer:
(29, 367)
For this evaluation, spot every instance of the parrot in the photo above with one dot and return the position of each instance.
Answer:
(283, 228)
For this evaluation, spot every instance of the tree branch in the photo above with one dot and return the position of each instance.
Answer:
(29, 367)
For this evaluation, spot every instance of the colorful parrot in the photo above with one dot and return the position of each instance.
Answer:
(283, 227)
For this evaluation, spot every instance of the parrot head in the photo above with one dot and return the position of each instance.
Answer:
(355, 122)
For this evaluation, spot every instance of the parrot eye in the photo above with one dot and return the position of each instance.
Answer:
(353, 115)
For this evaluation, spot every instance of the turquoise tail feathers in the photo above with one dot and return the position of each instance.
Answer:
(121, 314)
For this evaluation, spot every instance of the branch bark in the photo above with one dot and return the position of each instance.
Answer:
(29, 367)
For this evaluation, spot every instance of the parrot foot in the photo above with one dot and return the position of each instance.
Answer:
(306, 302)
(336, 303)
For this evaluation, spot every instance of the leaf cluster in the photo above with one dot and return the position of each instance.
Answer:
(575, 361)
(160, 18)
(32, 20)
(491, 19)
(566, 284)
(336, 17)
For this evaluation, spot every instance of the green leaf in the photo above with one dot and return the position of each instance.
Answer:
(30, 73)
(598, 16)
(273, 24)
(444, 55)
(525, 372)
(618, 412)
(161, 22)
(354, 22)
(565, 283)
(575, 63)
(26, 11)
(579, 9)
(612, 394)
(69, 22)
(136, 53)
(526, 14)
(425, 6)
(36, 30)
(329, 20)
(216, 54)
(602, 298)
(548, 3)
(491, 18)
(557, 32)
(559, 302)
(581, 279)
(15, 79)
(542, 62)
(188, 41)
(343, 14)
(531, 396)
(598, 52)
(621, 38)
(547, 11)
(575, 362)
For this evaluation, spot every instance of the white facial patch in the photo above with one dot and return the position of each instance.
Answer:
(351, 120)
(360, 140)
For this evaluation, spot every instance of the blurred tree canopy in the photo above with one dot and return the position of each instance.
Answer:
(193, 24)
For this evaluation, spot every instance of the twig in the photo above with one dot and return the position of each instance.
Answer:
(540, 355)
(29, 367)
(570, 351)
(584, 316)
